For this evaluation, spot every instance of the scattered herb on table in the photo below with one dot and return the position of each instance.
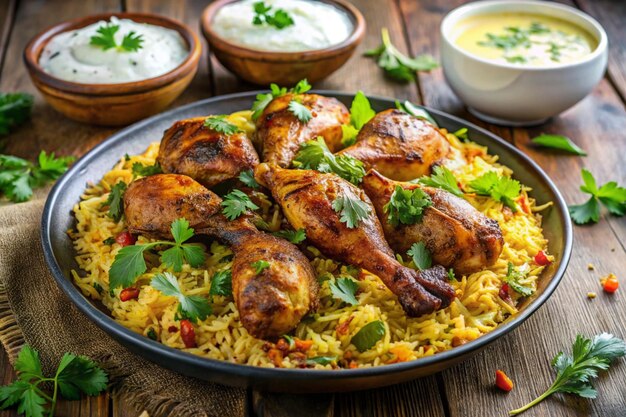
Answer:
(105, 39)
(237, 203)
(368, 335)
(406, 206)
(294, 236)
(420, 255)
(14, 110)
(280, 19)
(247, 177)
(219, 124)
(129, 262)
(74, 375)
(498, 187)
(141, 170)
(344, 289)
(442, 178)
(612, 196)
(115, 201)
(260, 266)
(352, 210)
(191, 307)
(18, 176)
(361, 112)
(396, 64)
(514, 277)
(415, 111)
(262, 100)
(222, 284)
(558, 142)
(575, 373)
(321, 360)
(314, 154)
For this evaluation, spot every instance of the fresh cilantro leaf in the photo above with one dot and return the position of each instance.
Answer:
(14, 110)
(247, 177)
(222, 284)
(127, 265)
(321, 360)
(368, 335)
(141, 170)
(420, 255)
(115, 201)
(301, 87)
(221, 125)
(558, 142)
(236, 203)
(500, 188)
(415, 111)
(345, 289)
(396, 64)
(78, 374)
(280, 19)
(314, 154)
(181, 231)
(192, 307)
(451, 275)
(406, 206)
(575, 373)
(260, 266)
(361, 112)
(301, 112)
(262, 100)
(131, 42)
(442, 178)
(294, 236)
(513, 278)
(610, 194)
(352, 210)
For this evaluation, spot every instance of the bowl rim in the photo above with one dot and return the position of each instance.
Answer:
(458, 13)
(36, 45)
(221, 43)
(127, 337)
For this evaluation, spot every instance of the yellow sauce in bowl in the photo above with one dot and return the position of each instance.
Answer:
(524, 39)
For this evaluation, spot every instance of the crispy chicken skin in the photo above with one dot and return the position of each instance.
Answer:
(306, 199)
(399, 146)
(270, 303)
(210, 157)
(455, 233)
(280, 133)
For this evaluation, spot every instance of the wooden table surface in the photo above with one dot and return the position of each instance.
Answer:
(597, 124)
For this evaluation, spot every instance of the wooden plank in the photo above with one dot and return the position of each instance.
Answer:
(610, 14)
(47, 129)
(469, 386)
(7, 9)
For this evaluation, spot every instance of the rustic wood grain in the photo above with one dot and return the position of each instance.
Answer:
(7, 9)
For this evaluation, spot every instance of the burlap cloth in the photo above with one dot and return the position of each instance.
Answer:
(34, 311)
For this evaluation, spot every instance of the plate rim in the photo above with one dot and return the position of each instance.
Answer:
(125, 336)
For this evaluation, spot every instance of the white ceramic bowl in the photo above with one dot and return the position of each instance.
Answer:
(515, 95)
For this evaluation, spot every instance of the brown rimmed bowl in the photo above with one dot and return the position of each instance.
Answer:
(284, 68)
(112, 104)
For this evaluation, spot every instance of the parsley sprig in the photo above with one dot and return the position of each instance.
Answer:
(247, 177)
(141, 170)
(314, 154)
(396, 64)
(222, 284)
(18, 176)
(361, 112)
(353, 210)
(236, 203)
(74, 375)
(420, 255)
(280, 19)
(344, 289)
(442, 178)
(260, 266)
(406, 206)
(221, 125)
(105, 39)
(575, 373)
(612, 196)
(115, 200)
(294, 236)
(129, 262)
(14, 110)
(262, 100)
(190, 307)
(514, 278)
(498, 187)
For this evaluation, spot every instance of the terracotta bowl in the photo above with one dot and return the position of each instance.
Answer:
(284, 68)
(112, 104)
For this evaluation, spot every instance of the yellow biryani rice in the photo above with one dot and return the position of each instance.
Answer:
(477, 310)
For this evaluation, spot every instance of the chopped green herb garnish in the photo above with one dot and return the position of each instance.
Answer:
(420, 255)
(247, 177)
(514, 277)
(406, 206)
(451, 275)
(105, 39)
(369, 335)
(152, 334)
(141, 170)
(442, 178)
(611, 195)
(115, 201)
(361, 112)
(237, 203)
(222, 284)
(192, 307)
(260, 266)
(500, 188)
(301, 112)
(321, 360)
(344, 289)
(280, 19)
(109, 241)
(353, 210)
(462, 134)
(314, 154)
(415, 111)
(219, 124)
(262, 100)
(294, 236)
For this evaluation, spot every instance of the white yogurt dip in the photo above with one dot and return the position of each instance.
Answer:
(317, 25)
(70, 56)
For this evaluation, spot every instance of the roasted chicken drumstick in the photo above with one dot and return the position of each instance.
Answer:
(455, 233)
(399, 146)
(191, 148)
(281, 133)
(306, 198)
(270, 302)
